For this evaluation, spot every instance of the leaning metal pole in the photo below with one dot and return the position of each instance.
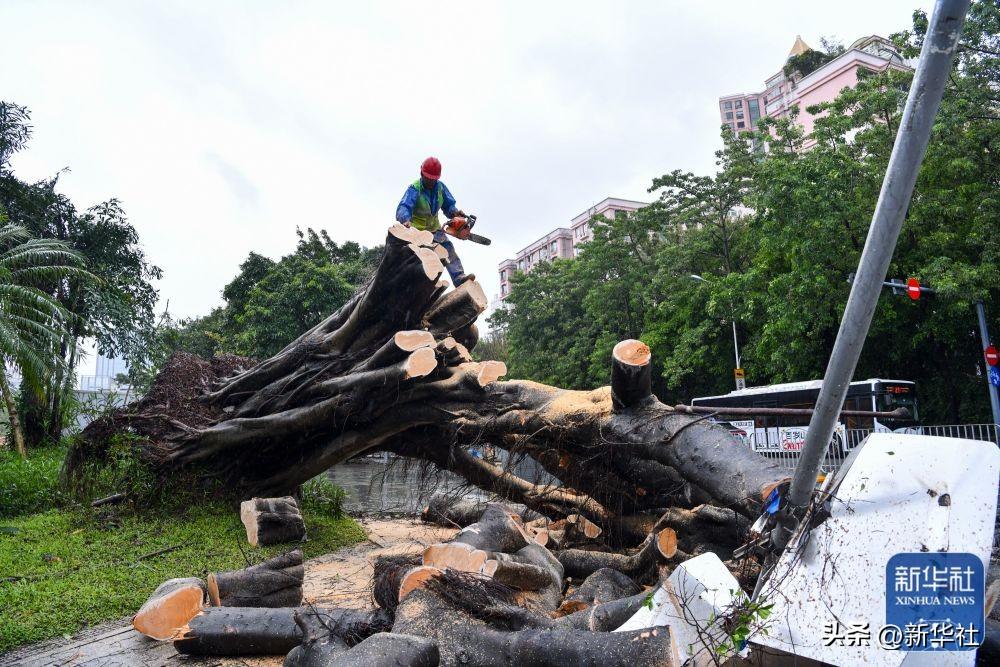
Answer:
(922, 105)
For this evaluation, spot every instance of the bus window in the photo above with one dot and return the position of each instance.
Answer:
(859, 404)
(889, 397)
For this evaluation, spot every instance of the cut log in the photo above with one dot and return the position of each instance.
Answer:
(387, 577)
(463, 639)
(170, 607)
(269, 631)
(604, 585)
(455, 555)
(272, 521)
(276, 582)
(630, 375)
(449, 510)
(604, 617)
(496, 530)
(319, 647)
(546, 598)
(658, 547)
(580, 526)
(522, 576)
(390, 650)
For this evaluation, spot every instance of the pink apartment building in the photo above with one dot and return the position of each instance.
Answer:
(562, 243)
(782, 92)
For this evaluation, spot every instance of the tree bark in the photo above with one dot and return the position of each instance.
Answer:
(276, 582)
(268, 631)
(15, 423)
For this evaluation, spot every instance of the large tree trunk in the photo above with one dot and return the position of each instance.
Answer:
(385, 372)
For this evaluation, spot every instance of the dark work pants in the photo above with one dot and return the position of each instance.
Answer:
(454, 264)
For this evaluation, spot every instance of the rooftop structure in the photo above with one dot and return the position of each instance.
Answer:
(784, 91)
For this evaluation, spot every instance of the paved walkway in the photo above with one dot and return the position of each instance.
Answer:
(341, 579)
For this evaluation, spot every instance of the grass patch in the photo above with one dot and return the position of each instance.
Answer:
(30, 484)
(64, 569)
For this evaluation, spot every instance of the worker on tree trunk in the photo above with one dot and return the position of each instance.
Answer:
(419, 207)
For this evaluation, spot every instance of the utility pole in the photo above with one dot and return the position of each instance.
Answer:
(933, 70)
(984, 334)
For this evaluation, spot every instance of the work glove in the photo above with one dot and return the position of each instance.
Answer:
(459, 213)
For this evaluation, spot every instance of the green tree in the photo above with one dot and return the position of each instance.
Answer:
(776, 234)
(32, 322)
(116, 311)
(270, 303)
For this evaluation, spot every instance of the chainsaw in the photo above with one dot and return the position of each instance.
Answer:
(461, 228)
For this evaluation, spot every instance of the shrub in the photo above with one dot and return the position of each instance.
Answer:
(30, 484)
(324, 497)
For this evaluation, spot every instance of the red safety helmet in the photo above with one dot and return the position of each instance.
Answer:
(431, 168)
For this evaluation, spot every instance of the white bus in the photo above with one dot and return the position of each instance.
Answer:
(786, 434)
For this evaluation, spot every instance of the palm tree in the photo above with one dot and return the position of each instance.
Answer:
(32, 322)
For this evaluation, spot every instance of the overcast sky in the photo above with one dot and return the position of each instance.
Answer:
(222, 126)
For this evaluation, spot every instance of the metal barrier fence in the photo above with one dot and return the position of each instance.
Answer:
(783, 446)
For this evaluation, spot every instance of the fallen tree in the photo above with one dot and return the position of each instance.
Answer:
(388, 372)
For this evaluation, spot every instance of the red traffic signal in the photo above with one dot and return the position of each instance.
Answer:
(913, 288)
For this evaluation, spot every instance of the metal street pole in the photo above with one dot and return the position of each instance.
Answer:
(922, 104)
(984, 333)
(732, 318)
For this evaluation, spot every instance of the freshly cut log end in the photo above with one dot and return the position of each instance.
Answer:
(666, 542)
(170, 607)
(272, 520)
(429, 259)
(412, 235)
(455, 555)
(276, 582)
(491, 371)
(420, 363)
(417, 578)
(408, 341)
(441, 253)
(631, 379)
(585, 526)
(632, 352)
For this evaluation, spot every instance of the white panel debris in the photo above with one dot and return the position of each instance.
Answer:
(699, 593)
(895, 494)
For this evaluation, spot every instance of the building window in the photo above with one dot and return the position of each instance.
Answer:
(503, 276)
(754, 111)
(739, 116)
(729, 115)
(727, 105)
(739, 124)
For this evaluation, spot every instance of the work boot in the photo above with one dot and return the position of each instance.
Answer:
(463, 278)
